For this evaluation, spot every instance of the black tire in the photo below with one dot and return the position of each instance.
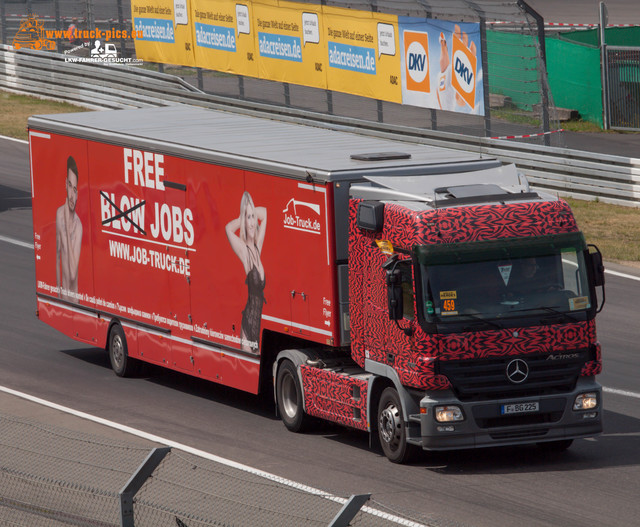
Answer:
(289, 398)
(121, 363)
(555, 446)
(392, 428)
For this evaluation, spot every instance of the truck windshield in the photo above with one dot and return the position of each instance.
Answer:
(503, 279)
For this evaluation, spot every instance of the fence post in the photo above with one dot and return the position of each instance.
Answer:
(56, 11)
(349, 510)
(200, 79)
(123, 44)
(604, 66)
(287, 94)
(329, 101)
(136, 481)
(543, 58)
(485, 78)
(3, 21)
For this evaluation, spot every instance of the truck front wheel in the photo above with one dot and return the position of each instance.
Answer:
(392, 428)
(289, 398)
(121, 363)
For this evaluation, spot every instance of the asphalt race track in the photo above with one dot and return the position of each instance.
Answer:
(596, 482)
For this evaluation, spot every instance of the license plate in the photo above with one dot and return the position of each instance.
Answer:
(519, 408)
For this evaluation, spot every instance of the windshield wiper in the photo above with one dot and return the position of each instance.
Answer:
(556, 313)
(549, 320)
(481, 322)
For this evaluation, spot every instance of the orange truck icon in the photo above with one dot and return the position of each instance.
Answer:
(31, 35)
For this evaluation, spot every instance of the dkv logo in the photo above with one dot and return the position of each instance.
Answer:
(416, 59)
(302, 216)
(463, 79)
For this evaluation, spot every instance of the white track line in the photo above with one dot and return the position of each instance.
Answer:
(622, 275)
(23, 141)
(16, 242)
(621, 392)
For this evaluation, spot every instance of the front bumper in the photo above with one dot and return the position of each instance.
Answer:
(486, 426)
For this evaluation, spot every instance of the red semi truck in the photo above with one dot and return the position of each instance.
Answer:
(424, 295)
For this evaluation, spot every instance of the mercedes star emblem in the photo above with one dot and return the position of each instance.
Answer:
(517, 371)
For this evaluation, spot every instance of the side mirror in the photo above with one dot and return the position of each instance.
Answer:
(597, 267)
(597, 270)
(394, 294)
(370, 216)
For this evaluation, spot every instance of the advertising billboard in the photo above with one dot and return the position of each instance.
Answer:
(166, 31)
(413, 61)
(441, 65)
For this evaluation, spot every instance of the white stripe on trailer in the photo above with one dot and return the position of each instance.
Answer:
(298, 326)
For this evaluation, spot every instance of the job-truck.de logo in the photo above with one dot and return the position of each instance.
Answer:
(416, 51)
(297, 215)
(463, 79)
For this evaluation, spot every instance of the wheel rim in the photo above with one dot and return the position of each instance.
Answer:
(289, 395)
(117, 351)
(390, 426)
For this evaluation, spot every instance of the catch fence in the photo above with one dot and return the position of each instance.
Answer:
(517, 101)
(51, 476)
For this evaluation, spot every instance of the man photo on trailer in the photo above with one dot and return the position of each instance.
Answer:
(68, 237)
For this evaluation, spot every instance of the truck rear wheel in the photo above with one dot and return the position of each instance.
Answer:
(289, 398)
(392, 428)
(121, 363)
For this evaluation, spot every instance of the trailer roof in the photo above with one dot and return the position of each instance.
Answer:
(259, 143)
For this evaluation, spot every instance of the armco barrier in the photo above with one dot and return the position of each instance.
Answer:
(567, 172)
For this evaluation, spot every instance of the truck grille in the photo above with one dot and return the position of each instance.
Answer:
(484, 379)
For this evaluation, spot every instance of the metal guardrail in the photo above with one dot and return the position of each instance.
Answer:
(566, 172)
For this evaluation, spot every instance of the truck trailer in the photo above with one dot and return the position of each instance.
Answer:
(424, 295)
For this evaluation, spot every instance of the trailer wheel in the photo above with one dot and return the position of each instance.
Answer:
(392, 428)
(289, 398)
(121, 363)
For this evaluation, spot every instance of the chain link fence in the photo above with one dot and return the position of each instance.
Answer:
(51, 476)
(518, 103)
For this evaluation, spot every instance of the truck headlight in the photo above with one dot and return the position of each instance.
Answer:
(586, 401)
(447, 414)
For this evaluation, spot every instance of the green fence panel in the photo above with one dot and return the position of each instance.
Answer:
(615, 36)
(574, 77)
(512, 67)
(589, 37)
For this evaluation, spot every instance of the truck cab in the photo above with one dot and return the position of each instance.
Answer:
(473, 305)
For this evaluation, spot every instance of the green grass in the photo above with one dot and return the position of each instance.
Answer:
(16, 109)
(518, 116)
(613, 228)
